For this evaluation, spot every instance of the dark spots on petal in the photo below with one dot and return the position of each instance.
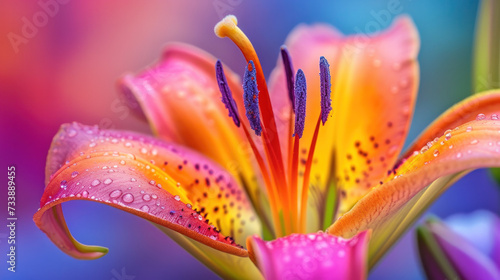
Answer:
(349, 157)
(375, 145)
(207, 182)
(387, 141)
(353, 168)
(196, 181)
(372, 138)
(197, 166)
(179, 167)
(389, 124)
(357, 144)
(216, 209)
(165, 163)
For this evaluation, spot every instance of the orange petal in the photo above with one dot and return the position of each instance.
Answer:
(375, 90)
(374, 85)
(389, 209)
(180, 97)
(485, 103)
(163, 183)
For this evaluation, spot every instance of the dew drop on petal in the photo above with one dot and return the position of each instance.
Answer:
(74, 174)
(480, 117)
(115, 193)
(85, 194)
(459, 155)
(108, 181)
(64, 184)
(128, 198)
(132, 180)
(122, 162)
(146, 197)
(152, 182)
(95, 183)
(72, 133)
(474, 142)
(177, 198)
(145, 208)
(494, 117)
(468, 129)
(189, 206)
(154, 196)
(436, 153)
(92, 145)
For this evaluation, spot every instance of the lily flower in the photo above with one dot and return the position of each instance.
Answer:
(314, 153)
(464, 246)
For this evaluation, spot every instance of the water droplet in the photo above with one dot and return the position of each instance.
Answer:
(92, 145)
(447, 136)
(468, 129)
(159, 186)
(189, 206)
(154, 152)
(146, 197)
(436, 153)
(480, 117)
(145, 208)
(424, 149)
(108, 181)
(64, 184)
(128, 198)
(494, 117)
(128, 145)
(152, 182)
(474, 142)
(450, 147)
(178, 184)
(72, 133)
(115, 193)
(85, 194)
(144, 150)
(213, 237)
(177, 198)
(122, 162)
(154, 196)
(459, 155)
(132, 180)
(74, 174)
(95, 183)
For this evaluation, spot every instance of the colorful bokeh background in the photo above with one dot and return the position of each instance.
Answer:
(67, 71)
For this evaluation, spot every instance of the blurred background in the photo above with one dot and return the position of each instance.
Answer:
(66, 70)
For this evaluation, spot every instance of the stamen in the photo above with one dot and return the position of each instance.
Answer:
(251, 96)
(326, 85)
(227, 96)
(289, 74)
(300, 103)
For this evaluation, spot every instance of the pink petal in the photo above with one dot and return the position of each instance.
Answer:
(311, 256)
(163, 183)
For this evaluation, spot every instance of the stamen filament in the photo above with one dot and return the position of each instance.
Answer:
(307, 173)
(227, 27)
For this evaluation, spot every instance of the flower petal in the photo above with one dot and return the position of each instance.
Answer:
(389, 209)
(311, 256)
(163, 183)
(180, 97)
(471, 108)
(460, 256)
(375, 91)
(374, 85)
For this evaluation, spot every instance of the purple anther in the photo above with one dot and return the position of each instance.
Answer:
(326, 85)
(300, 102)
(251, 97)
(288, 74)
(227, 96)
